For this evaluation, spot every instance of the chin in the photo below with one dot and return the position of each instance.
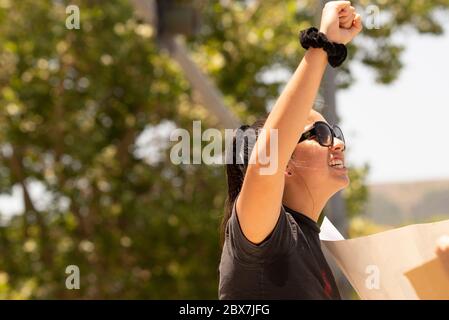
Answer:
(341, 180)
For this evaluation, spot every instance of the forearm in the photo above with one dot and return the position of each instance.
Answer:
(289, 114)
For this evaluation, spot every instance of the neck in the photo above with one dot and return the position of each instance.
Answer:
(302, 202)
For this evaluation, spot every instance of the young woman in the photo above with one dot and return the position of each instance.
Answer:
(271, 246)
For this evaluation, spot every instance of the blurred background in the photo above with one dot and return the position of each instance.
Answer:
(86, 112)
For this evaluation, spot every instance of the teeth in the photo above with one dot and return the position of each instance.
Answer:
(336, 163)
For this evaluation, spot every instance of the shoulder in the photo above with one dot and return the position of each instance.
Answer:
(279, 241)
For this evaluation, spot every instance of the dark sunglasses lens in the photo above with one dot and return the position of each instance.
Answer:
(339, 134)
(324, 134)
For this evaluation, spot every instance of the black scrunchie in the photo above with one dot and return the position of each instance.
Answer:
(336, 52)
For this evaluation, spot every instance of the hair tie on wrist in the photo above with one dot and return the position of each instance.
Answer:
(336, 52)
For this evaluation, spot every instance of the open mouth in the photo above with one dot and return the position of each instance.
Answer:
(337, 164)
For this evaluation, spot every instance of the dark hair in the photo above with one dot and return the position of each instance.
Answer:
(235, 170)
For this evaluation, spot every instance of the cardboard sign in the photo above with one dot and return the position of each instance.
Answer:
(394, 264)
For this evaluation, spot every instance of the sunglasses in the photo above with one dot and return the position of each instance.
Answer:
(323, 134)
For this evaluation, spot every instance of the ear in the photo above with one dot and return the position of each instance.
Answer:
(288, 172)
(289, 169)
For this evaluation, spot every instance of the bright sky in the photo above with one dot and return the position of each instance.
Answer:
(401, 129)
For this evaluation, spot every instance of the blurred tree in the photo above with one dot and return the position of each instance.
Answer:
(73, 102)
(361, 226)
(356, 194)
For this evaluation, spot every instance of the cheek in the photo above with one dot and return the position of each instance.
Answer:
(310, 156)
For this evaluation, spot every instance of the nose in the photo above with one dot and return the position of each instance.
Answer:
(338, 145)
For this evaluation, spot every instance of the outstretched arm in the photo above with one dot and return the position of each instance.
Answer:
(258, 210)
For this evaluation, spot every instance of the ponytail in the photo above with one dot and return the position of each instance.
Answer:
(235, 170)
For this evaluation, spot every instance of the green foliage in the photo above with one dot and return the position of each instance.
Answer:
(356, 194)
(72, 103)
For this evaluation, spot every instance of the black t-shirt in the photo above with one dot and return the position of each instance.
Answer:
(288, 264)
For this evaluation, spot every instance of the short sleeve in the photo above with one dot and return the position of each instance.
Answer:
(278, 242)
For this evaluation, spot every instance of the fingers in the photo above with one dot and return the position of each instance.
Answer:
(347, 22)
(346, 11)
(346, 17)
(339, 5)
(442, 251)
(443, 245)
(356, 25)
(336, 6)
(340, 22)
